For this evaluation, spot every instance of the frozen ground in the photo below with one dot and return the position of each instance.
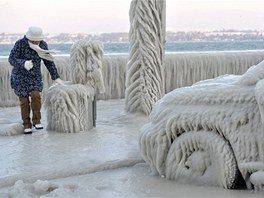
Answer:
(104, 162)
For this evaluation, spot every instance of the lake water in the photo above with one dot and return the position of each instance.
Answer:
(122, 48)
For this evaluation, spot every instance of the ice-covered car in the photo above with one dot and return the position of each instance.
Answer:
(210, 133)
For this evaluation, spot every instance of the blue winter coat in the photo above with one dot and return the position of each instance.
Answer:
(22, 80)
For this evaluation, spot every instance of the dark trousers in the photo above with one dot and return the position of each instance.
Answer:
(26, 106)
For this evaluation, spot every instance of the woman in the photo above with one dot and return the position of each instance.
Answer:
(26, 78)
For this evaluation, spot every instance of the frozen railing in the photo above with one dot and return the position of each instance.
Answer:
(181, 69)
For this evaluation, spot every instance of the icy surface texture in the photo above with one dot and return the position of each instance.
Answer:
(145, 75)
(257, 179)
(40, 189)
(70, 107)
(253, 75)
(181, 69)
(185, 69)
(86, 64)
(207, 133)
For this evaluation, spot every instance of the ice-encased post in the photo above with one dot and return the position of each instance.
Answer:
(145, 72)
(71, 107)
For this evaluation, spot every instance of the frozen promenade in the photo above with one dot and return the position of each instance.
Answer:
(104, 162)
(48, 155)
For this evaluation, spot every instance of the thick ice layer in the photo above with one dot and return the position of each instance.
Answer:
(145, 72)
(69, 108)
(113, 75)
(51, 155)
(210, 129)
(88, 164)
(86, 64)
(182, 69)
(257, 179)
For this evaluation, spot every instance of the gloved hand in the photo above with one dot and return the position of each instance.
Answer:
(28, 65)
(59, 81)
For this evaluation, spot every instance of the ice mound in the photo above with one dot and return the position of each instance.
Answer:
(41, 189)
(257, 179)
(253, 74)
(11, 129)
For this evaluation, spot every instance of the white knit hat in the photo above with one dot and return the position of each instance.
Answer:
(35, 34)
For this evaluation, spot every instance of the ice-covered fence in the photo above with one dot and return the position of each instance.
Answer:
(113, 70)
(181, 69)
(184, 69)
(7, 95)
(114, 73)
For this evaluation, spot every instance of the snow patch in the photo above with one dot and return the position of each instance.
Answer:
(40, 189)
(253, 74)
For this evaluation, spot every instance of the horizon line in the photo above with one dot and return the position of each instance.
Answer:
(194, 30)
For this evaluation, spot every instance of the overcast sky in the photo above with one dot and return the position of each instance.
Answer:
(96, 16)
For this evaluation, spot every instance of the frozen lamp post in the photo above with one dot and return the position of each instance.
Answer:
(145, 70)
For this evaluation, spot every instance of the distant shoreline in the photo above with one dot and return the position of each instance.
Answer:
(123, 37)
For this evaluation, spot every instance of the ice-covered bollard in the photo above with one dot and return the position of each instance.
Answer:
(71, 107)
